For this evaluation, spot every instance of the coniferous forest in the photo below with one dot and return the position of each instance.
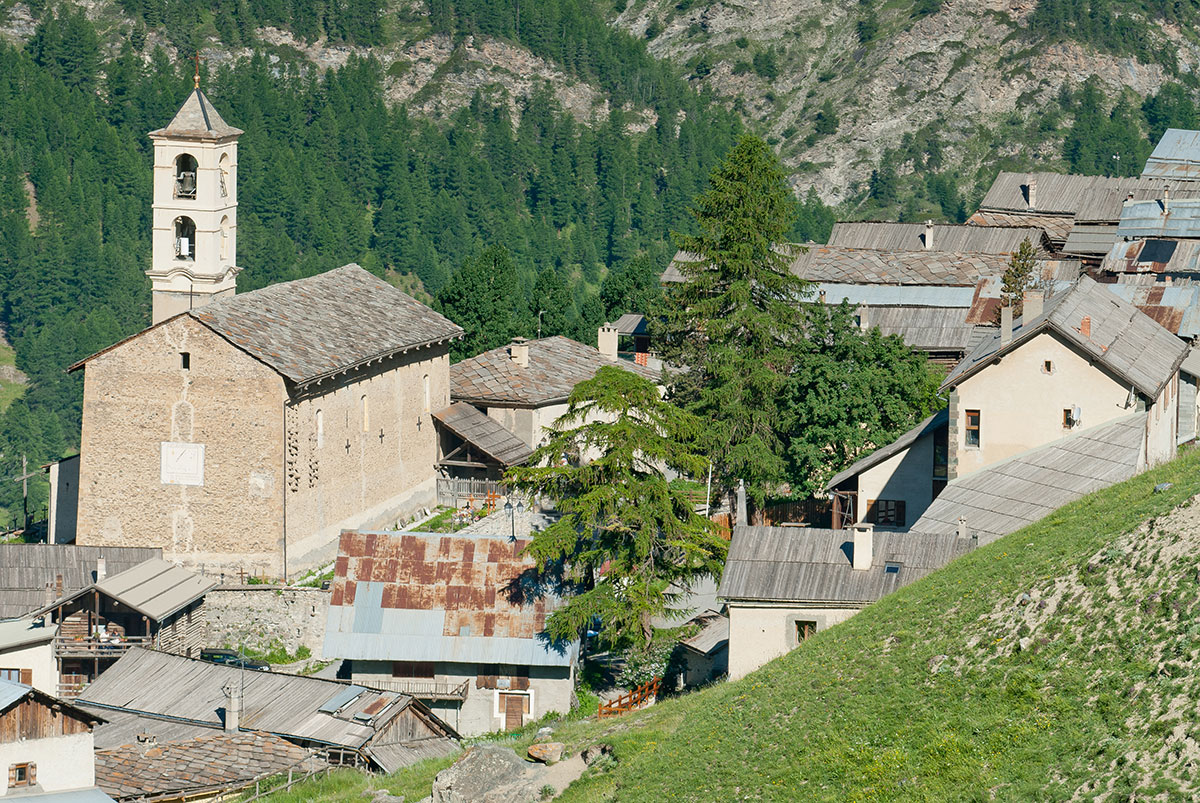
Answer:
(328, 174)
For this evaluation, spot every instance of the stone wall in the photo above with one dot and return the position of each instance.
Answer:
(221, 510)
(256, 616)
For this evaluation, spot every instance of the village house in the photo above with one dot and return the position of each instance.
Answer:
(783, 584)
(454, 620)
(47, 746)
(251, 429)
(27, 653)
(156, 605)
(1085, 359)
(344, 724)
(525, 385)
(34, 575)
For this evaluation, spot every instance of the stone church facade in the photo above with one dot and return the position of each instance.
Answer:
(244, 432)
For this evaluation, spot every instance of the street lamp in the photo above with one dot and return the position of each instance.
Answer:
(512, 514)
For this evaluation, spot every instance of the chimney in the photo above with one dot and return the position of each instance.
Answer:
(519, 351)
(1005, 325)
(1031, 191)
(1166, 201)
(962, 527)
(928, 235)
(58, 586)
(101, 569)
(606, 339)
(1085, 326)
(233, 704)
(1031, 305)
(742, 516)
(864, 314)
(864, 537)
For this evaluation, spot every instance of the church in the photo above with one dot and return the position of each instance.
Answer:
(244, 432)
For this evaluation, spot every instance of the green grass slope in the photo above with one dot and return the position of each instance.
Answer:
(1058, 662)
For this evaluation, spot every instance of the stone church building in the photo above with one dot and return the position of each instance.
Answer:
(245, 432)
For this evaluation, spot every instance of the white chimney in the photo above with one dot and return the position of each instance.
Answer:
(101, 569)
(962, 527)
(742, 517)
(928, 235)
(233, 704)
(1166, 201)
(864, 314)
(606, 341)
(519, 351)
(1005, 325)
(1031, 191)
(1031, 305)
(864, 537)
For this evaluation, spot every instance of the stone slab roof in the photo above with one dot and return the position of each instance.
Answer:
(556, 365)
(1122, 338)
(312, 328)
(437, 597)
(811, 565)
(214, 761)
(484, 433)
(1056, 226)
(1004, 497)
(197, 119)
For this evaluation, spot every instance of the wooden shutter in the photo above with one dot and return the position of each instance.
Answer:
(27, 677)
(31, 774)
(12, 775)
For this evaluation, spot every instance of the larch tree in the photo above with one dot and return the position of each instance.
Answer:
(1021, 275)
(735, 320)
(628, 543)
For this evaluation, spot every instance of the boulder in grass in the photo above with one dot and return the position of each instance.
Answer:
(546, 752)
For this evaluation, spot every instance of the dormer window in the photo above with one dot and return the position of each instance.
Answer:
(185, 238)
(185, 176)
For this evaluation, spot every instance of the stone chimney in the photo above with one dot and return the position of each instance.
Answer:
(963, 532)
(864, 546)
(233, 704)
(1031, 305)
(101, 569)
(742, 515)
(1005, 325)
(606, 340)
(1166, 201)
(864, 314)
(58, 586)
(928, 235)
(1031, 192)
(1085, 326)
(519, 351)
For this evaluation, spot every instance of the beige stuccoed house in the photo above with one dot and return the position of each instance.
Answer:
(243, 433)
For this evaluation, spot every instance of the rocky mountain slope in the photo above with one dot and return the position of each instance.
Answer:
(956, 69)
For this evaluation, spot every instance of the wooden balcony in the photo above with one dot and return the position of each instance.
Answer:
(66, 647)
(423, 689)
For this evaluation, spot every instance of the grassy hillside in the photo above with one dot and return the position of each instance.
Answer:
(1058, 661)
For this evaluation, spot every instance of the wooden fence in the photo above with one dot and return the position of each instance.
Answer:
(457, 491)
(631, 700)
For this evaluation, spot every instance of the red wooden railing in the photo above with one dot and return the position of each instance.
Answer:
(631, 700)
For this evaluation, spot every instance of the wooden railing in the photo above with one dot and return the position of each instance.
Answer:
(71, 686)
(631, 700)
(423, 689)
(456, 491)
(66, 647)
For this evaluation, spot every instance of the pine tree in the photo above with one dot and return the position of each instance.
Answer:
(1018, 277)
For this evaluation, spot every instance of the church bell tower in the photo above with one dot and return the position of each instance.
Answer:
(194, 258)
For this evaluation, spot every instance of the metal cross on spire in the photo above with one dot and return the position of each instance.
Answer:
(196, 78)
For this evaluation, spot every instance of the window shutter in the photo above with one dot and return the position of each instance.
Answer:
(27, 677)
(12, 774)
(31, 774)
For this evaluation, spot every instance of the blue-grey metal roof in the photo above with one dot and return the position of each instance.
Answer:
(1176, 156)
(11, 692)
(1176, 307)
(1159, 218)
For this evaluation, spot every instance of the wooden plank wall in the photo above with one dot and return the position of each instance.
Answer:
(32, 719)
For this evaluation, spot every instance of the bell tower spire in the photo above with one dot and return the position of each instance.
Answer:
(195, 208)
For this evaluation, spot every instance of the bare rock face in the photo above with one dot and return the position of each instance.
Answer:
(486, 774)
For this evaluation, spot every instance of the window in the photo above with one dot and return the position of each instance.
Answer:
(412, 669)
(185, 238)
(17, 675)
(320, 429)
(972, 432)
(185, 176)
(891, 568)
(185, 360)
(366, 416)
(1047, 367)
(889, 512)
(426, 381)
(804, 630)
(1068, 418)
(24, 774)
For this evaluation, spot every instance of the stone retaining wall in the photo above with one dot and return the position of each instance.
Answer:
(257, 615)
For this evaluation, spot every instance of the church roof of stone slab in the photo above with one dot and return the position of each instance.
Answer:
(26, 570)
(197, 119)
(484, 433)
(312, 328)
(801, 564)
(1121, 338)
(556, 365)
(1008, 495)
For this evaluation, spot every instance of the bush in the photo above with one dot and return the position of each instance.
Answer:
(765, 65)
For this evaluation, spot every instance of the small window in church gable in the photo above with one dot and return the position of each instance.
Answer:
(426, 392)
(320, 429)
(185, 360)
(366, 416)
